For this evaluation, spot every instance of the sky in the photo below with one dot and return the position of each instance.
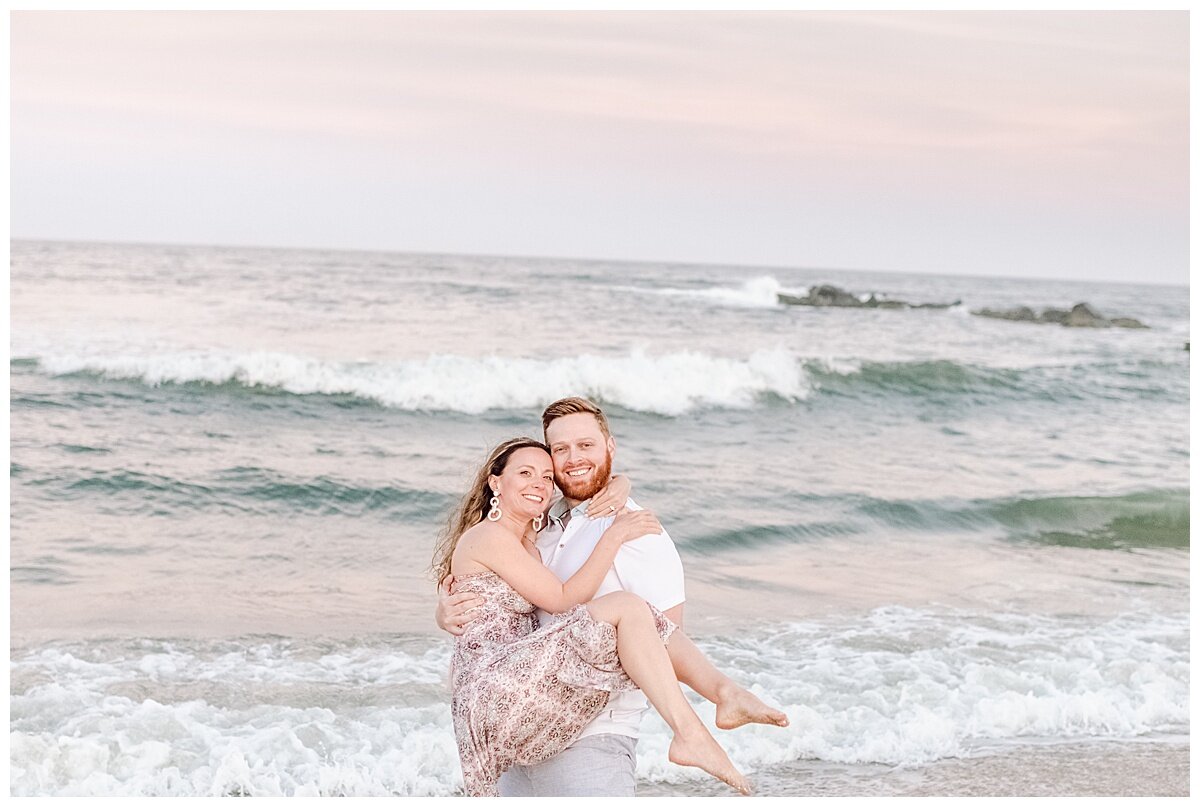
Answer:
(1037, 144)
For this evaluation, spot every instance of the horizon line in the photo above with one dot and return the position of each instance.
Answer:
(645, 261)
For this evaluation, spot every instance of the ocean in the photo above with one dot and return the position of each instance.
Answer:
(953, 549)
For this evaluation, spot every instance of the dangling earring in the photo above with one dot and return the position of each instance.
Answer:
(495, 513)
(537, 522)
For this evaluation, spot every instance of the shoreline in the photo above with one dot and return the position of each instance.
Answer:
(1125, 768)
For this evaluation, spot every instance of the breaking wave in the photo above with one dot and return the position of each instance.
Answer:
(668, 384)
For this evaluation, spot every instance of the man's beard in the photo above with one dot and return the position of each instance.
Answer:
(582, 491)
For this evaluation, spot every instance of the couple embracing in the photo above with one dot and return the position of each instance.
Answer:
(562, 611)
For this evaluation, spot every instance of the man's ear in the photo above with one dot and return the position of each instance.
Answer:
(612, 446)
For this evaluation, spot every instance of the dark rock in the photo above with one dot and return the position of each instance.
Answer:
(832, 295)
(1018, 314)
(835, 297)
(1081, 315)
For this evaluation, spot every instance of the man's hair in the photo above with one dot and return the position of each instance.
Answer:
(574, 406)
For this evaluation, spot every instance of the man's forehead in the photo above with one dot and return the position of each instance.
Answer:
(577, 426)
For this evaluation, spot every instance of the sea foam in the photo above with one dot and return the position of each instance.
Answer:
(666, 384)
(759, 292)
(897, 686)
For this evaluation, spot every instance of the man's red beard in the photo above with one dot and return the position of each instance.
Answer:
(582, 491)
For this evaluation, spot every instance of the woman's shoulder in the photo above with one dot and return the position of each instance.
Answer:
(472, 552)
(486, 533)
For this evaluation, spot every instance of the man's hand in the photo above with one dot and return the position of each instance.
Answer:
(611, 500)
(455, 610)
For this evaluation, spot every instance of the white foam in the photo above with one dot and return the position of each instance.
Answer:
(759, 292)
(261, 720)
(667, 384)
(898, 687)
(909, 687)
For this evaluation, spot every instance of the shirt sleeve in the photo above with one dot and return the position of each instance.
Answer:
(650, 568)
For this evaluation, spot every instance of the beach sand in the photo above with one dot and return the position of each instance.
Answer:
(1098, 768)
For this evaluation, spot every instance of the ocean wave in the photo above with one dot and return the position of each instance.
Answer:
(907, 686)
(1153, 518)
(759, 292)
(241, 490)
(270, 716)
(964, 382)
(669, 384)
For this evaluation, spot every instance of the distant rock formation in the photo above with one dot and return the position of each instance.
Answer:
(840, 298)
(1081, 315)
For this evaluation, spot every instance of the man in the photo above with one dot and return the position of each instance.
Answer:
(602, 761)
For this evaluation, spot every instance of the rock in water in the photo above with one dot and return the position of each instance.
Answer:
(1081, 315)
(832, 296)
(1019, 314)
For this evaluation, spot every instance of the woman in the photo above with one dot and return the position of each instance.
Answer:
(522, 695)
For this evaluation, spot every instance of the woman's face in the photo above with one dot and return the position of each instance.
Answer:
(525, 483)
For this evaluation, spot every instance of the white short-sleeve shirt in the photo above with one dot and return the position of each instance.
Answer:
(648, 567)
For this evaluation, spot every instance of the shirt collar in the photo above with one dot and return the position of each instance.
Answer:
(560, 508)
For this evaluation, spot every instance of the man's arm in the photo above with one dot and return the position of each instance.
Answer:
(675, 615)
(455, 610)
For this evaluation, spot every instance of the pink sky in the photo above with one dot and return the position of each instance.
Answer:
(1027, 144)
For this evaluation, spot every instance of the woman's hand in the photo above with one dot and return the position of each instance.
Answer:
(454, 610)
(611, 500)
(629, 525)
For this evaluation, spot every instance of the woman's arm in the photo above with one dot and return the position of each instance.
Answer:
(506, 557)
(611, 498)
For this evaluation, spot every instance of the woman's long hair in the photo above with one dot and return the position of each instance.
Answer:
(475, 505)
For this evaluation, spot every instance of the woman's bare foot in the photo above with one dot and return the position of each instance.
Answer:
(737, 707)
(704, 752)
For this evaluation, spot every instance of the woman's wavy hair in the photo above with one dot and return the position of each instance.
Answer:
(475, 505)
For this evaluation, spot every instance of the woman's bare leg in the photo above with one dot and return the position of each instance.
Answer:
(646, 661)
(736, 706)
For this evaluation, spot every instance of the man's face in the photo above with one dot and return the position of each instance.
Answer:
(582, 455)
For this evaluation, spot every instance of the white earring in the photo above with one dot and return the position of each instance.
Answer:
(537, 522)
(495, 513)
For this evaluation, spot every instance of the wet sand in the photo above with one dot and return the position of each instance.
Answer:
(1097, 768)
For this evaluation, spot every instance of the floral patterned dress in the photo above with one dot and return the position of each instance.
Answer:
(522, 695)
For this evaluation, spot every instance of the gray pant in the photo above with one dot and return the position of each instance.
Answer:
(596, 765)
